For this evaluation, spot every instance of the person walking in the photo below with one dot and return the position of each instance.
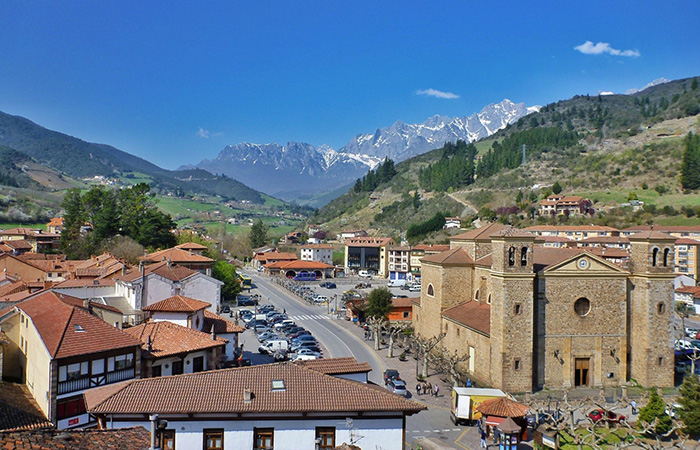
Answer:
(418, 388)
(633, 404)
(482, 435)
(437, 390)
(429, 389)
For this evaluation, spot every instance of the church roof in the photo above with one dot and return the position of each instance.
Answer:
(480, 234)
(472, 315)
(455, 257)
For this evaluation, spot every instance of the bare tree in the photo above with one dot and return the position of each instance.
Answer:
(394, 329)
(449, 363)
(425, 346)
(376, 324)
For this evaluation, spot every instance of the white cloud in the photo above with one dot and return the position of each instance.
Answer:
(203, 133)
(589, 48)
(436, 93)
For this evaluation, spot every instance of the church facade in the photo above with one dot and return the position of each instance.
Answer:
(530, 317)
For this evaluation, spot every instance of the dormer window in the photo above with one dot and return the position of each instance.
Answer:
(79, 328)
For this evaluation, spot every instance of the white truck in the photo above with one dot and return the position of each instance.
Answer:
(465, 400)
(275, 345)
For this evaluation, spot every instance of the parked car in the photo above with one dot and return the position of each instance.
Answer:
(260, 327)
(320, 299)
(299, 333)
(364, 274)
(226, 309)
(245, 301)
(397, 386)
(265, 335)
(391, 374)
(311, 345)
(328, 285)
(308, 352)
(303, 357)
(598, 415)
(414, 288)
(396, 283)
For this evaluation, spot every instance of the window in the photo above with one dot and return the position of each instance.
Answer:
(518, 309)
(476, 295)
(516, 364)
(666, 251)
(582, 306)
(457, 331)
(166, 439)
(178, 368)
(406, 314)
(489, 299)
(73, 371)
(661, 360)
(156, 371)
(123, 361)
(661, 308)
(325, 436)
(431, 290)
(654, 256)
(70, 407)
(511, 256)
(263, 438)
(213, 439)
(198, 364)
(523, 256)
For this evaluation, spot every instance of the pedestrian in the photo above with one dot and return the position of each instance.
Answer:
(437, 389)
(429, 389)
(482, 435)
(418, 388)
(469, 382)
(633, 404)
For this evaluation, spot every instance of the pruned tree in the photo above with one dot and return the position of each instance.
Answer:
(393, 330)
(425, 346)
(376, 324)
(449, 362)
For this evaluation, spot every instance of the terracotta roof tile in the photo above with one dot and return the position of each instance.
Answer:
(298, 265)
(18, 410)
(177, 303)
(192, 245)
(336, 366)
(220, 324)
(687, 241)
(434, 248)
(318, 246)
(402, 302)
(544, 257)
(305, 390)
(503, 407)
(178, 256)
(136, 438)
(69, 331)
(472, 315)
(168, 338)
(369, 241)
(480, 234)
(455, 257)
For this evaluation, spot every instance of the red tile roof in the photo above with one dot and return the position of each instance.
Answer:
(85, 282)
(192, 245)
(298, 265)
(178, 256)
(651, 235)
(168, 339)
(435, 248)
(402, 302)
(471, 315)
(136, 438)
(221, 325)
(336, 366)
(455, 257)
(177, 303)
(687, 241)
(318, 246)
(369, 241)
(221, 391)
(479, 234)
(19, 410)
(69, 331)
(502, 407)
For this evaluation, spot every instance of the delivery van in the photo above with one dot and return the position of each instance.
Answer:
(466, 400)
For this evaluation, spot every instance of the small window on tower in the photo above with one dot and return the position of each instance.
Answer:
(661, 308)
(516, 364)
(518, 309)
(661, 360)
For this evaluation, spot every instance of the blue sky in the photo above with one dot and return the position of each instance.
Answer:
(174, 82)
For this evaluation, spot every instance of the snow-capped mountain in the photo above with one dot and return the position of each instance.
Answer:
(402, 141)
(299, 169)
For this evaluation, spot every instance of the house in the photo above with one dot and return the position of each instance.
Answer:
(186, 255)
(399, 264)
(401, 310)
(155, 282)
(55, 225)
(262, 259)
(21, 269)
(60, 351)
(314, 229)
(317, 252)
(531, 317)
(317, 238)
(368, 253)
(570, 206)
(452, 222)
(349, 234)
(575, 232)
(290, 269)
(15, 247)
(293, 237)
(690, 295)
(41, 241)
(687, 254)
(283, 406)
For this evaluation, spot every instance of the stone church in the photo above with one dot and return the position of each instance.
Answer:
(530, 317)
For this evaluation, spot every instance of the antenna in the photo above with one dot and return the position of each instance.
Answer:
(524, 148)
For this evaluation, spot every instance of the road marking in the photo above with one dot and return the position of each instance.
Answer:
(461, 435)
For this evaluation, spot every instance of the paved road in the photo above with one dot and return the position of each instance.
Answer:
(339, 338)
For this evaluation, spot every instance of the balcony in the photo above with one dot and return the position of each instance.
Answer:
(87, 382)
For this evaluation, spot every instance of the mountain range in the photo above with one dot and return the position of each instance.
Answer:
(299, 170)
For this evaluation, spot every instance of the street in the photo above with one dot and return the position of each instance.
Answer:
(340, 338)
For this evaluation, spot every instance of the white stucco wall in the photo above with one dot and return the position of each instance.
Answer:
(87, 291)
(187, 364)
(204, 288)
(375, 434)
(38, 368)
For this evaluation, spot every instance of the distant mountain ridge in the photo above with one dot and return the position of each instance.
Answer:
(298, 170)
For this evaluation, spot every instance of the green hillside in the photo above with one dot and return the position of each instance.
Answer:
(609, 148)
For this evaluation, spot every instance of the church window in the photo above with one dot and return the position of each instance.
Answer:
(654, 256)
(661, 308)
(446, 327)
(666, 252)
(523, 256)
(431, 290)
(489, 299)
(518, 309)
(516, 364)
(476, 295)
(582, 306)
(511, 256)
(457, 331)
(661, 360)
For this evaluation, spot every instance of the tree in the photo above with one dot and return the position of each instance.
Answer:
(379, 303)
(654, 414)
(258, 234)
(690, 165)
(124, 247)
(226, 272)
(556, 188)
(689, 400)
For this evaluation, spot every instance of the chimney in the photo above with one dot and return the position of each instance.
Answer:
(149, 345)
(123, 269)
(213, 333)
(248, 396)
(170, 262)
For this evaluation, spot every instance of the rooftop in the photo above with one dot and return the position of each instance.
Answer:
(168, 338)
(472, 315)
(136, 438)
(177, 303)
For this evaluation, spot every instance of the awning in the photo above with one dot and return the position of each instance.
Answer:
(494, 421)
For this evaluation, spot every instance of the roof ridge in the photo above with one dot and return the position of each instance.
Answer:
(63, 334)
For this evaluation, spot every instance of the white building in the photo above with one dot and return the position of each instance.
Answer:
(284, 406)
(317, 252)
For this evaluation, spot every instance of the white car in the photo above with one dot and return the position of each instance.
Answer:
(304, 357)
(414, 288)
(307, 352)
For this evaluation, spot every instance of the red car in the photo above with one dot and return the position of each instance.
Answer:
(598, 415)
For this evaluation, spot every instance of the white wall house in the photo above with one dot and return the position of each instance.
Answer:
(317, 252)
(265, 406)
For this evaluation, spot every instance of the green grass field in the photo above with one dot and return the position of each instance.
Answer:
(648, 196)
(7, 226)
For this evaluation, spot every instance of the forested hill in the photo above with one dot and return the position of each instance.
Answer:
(589, 143)
(80, 159)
